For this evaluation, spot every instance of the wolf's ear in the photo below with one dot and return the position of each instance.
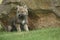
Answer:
(17, 7)
(25, 7)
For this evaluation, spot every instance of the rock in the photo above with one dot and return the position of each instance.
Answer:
(10, 1)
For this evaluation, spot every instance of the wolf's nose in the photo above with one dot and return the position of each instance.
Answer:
(19, 15)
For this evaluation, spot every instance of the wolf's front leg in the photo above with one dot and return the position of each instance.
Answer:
(26, 27)
(26, 23)
(18, 27)
(9, 28)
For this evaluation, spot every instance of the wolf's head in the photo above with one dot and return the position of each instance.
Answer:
(22, 11)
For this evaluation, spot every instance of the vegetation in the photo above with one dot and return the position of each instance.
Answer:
(41, 34)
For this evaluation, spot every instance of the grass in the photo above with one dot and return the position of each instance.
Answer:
(42, 34)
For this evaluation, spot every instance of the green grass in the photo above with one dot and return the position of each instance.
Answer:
(42, 34)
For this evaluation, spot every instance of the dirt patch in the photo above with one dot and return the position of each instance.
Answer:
(43, 20)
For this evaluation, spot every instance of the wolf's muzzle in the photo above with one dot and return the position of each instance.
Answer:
(21, 16)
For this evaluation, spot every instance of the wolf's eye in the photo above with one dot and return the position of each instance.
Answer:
(18, 11)
(22, 12)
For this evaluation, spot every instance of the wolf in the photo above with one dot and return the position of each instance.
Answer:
(17, 19)
(21, 21)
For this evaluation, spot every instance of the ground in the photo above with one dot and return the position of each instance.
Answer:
(40, 34)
